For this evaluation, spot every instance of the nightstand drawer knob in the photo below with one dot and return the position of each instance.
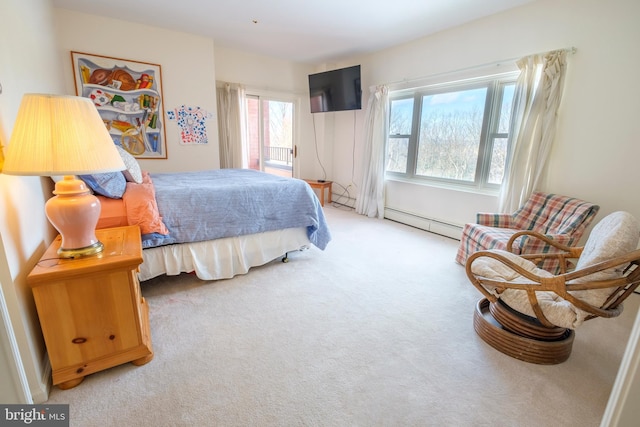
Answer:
(79, 340)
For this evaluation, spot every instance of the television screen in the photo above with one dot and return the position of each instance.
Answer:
(336, 90)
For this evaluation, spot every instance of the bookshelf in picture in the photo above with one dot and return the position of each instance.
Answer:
(128, 96)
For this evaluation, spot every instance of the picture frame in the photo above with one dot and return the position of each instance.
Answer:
(128, 96)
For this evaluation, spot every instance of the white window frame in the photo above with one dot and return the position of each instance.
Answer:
(489, 134)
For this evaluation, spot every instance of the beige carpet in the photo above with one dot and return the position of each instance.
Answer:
(375, 331)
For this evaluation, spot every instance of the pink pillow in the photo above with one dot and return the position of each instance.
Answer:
(142, 208)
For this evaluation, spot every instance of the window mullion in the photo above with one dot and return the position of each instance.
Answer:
(412, 158)
(486, 141)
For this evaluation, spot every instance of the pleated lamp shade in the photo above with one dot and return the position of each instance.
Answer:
(64, 135)
(60, 135)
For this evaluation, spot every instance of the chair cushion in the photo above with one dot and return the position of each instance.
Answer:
(561, 218)
(615, 235)
(493, 269)
(557, 310)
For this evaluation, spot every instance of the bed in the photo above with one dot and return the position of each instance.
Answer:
(215, 223)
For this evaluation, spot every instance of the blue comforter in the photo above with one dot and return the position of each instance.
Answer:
(208, 205)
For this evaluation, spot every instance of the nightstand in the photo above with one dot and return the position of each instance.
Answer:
(91, 310)
(322, 185)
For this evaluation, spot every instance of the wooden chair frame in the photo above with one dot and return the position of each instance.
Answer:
(540, 328)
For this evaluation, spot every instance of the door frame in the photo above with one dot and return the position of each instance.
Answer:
(270, 95)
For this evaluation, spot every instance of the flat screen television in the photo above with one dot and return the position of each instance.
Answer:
(336, 90)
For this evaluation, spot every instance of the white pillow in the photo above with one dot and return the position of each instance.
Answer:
(133, 173)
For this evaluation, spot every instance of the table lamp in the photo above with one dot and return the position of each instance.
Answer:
(64, 135)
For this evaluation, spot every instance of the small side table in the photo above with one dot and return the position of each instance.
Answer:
(91, 310)
(321, 186)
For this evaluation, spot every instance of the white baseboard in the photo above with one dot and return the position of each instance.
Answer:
(432, 225)
(41, 393)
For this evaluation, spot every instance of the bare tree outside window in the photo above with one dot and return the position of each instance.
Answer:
(458, 135)
(280, 119)
(450, 130)
(399, 130)
(270, 125)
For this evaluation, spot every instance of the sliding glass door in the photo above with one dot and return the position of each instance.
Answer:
(270, 135)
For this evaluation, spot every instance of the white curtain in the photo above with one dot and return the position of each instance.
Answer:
(370, 200)
(537, 98)
(232, 126)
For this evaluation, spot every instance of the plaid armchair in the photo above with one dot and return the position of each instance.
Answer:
(561, 218)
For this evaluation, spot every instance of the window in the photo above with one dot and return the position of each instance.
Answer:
(454, 133)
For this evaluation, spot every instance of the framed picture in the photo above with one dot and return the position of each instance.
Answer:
(128, 96)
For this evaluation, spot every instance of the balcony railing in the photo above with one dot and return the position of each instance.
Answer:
(280, 155)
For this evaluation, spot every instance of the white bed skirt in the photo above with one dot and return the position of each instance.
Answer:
(221, 258)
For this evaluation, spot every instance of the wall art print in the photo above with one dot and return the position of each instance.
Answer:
(128, 96)
(193, 130)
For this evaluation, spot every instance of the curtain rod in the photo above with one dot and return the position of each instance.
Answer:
(570, 50)
(262, 89)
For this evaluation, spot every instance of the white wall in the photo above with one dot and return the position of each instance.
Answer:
(622, 409)
(597, 145)
(28, 64)
(188, 75)
(270, 77)
(15, 388)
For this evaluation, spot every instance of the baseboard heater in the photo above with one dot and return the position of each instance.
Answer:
(432, 225)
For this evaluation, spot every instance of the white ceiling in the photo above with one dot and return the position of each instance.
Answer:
(299, 30)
